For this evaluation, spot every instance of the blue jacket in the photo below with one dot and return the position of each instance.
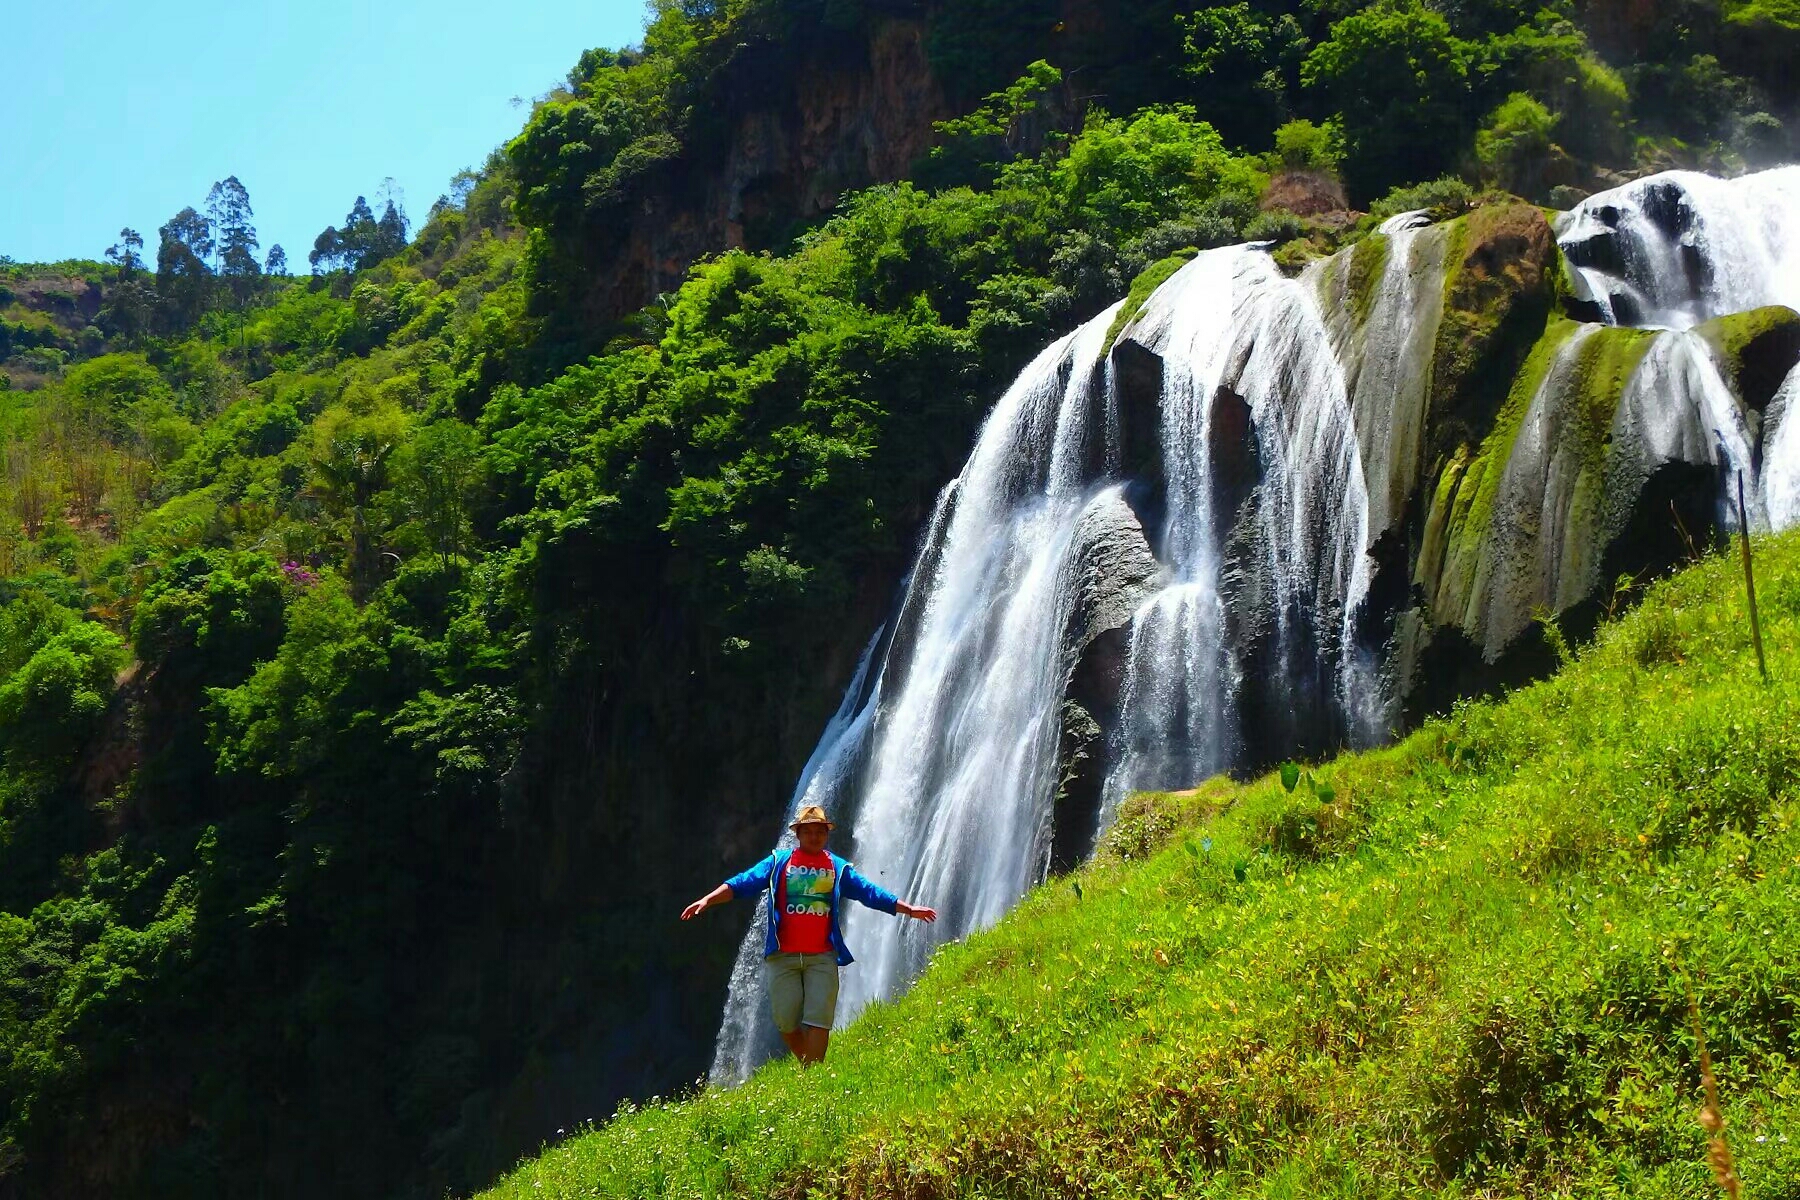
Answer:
(849, 883)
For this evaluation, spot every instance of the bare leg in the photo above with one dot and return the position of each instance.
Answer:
(796, 1042)
(813, 1042)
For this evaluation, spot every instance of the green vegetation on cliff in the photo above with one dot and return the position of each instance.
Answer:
(1459, 966)
(1512, 93)
(1368, 262)
(1146, 283)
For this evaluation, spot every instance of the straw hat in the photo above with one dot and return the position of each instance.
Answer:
(812, 814)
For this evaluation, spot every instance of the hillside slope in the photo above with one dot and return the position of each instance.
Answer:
(1459, 965)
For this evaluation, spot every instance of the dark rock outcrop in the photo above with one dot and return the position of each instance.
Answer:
(1112, 570)
(1138, 384)
(1113, 573)
(807, 122)
(785, 126)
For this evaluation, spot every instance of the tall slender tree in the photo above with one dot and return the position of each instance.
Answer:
(343, 249)
(183, 278)
(362, 240)
(228, 209)
(130, 301)
(390, 232)
(328, 250)
(127, 253)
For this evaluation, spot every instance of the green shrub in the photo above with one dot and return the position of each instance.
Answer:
(1441, 199)
(1514, 146)
(51, 704)
(971, 150)
(1302, 146)
(1278, 226)
(1398, 79)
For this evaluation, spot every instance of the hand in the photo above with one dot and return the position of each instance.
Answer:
(695, 909)
(916, 912)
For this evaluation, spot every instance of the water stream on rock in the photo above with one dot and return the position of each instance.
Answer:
(1671, 252)
(1189, 511)
(1676, 249)
(1244, 354)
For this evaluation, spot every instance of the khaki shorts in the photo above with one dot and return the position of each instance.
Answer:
(802, 989)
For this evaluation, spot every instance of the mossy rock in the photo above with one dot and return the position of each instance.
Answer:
(1468, 480)
(1499, 285)
(1148, 280)
(1368, 263)
(1293, 257)
(1756, 350)
(1488, 582)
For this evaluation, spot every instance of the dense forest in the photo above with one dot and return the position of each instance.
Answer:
(385, 651)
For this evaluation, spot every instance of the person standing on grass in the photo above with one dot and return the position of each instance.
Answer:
(803, 945)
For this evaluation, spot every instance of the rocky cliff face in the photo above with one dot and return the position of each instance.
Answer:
(792, 125)
(807, 122)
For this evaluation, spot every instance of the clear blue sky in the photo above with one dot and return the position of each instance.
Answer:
(121, 112)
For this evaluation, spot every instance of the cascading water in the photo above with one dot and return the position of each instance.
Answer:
(954, 741)
(1680, 364)
(955, 805)
(1232, 332)
(1527, 552)
(1676, 250)
(1781, 455)
(1288, 439)
(1387, 353)
(950, 764)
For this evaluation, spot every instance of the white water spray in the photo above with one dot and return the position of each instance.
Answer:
(1671, 252)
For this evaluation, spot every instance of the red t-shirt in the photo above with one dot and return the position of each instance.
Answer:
(803, 900)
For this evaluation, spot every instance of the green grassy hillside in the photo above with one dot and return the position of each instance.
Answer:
(1458, 966)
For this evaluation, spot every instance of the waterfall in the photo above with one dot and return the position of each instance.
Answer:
(1709, 426)
(1671, 252)
(1528, 551)
(1387, 353)
(946, 761)
(955, 806)
(1676, 249)
(953, 741)
(1270, 433)
(1177, 723)
(1387, 359)
(1233, 333)
(1781, 455)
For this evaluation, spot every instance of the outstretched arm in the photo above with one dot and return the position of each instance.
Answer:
(719, 895)
(861, 889)
(749, 883)
(917, 912)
